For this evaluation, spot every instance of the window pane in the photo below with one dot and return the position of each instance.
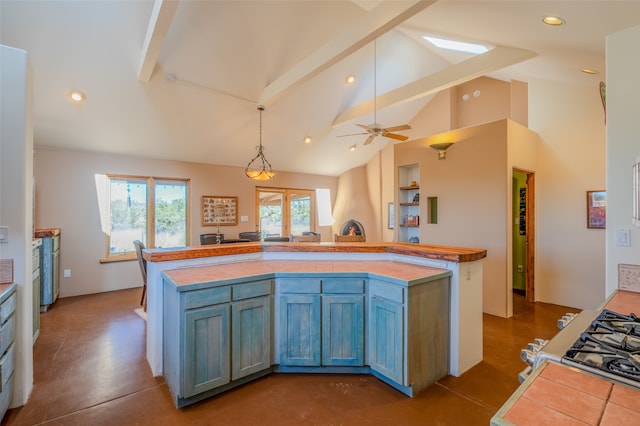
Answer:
(170, 214)
(271, 204)
(128, 207)
(300, 213)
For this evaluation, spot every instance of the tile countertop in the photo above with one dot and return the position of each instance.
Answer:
(230, 271)
(557, 394)
(561, 395)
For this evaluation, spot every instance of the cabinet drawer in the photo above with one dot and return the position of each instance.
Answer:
(386, 291)
(7, 365)
(7, 333)
(299, 285)
(7, 308)
(5, 396)
(343, 285)
(206, 297)
(252, 289)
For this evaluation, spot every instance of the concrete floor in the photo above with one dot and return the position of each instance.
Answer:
(90, 369)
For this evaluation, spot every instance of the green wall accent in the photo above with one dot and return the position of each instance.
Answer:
(519, 241)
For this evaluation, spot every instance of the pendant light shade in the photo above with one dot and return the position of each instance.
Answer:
(259, 167)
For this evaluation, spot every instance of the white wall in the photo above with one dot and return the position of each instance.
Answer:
(16, 202)
(570, 258)
(623, 145)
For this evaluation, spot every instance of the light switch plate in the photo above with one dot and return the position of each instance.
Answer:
(4, 234)
(623, 238)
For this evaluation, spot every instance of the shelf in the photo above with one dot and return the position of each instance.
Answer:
(409, 204)
(409, 188)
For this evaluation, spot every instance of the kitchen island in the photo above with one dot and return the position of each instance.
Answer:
(463, 264)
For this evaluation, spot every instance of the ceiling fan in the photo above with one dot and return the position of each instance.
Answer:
(373, 130)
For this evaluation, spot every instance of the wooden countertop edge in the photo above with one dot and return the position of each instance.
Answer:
(48, 232)
(446, 253)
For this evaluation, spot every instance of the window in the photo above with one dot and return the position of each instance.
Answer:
(282, 211)
(148, 209)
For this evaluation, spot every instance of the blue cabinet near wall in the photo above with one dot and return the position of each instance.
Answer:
(49, 267)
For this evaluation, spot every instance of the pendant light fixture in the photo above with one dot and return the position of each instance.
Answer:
(261, 170)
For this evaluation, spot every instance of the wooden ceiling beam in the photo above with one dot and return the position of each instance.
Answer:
(161, 17)
(477, 66)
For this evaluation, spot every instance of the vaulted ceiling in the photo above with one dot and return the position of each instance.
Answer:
(182, 79)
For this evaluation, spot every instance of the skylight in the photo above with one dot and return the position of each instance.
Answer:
(459, 46)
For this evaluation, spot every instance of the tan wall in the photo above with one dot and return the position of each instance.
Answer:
(472, 189)
(492, 103)
(623, 146)
(570, 261)
(66, 198)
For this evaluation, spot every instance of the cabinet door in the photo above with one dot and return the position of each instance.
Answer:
(251, 336)
(300, 329)
(385, 339)
(343, 330)
(206, 351)
(36, 304)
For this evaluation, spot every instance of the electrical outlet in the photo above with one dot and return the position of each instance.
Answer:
(520, 268)
(4, 234)
(67, 273)
(244, 218)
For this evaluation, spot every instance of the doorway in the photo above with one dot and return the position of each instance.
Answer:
(523, 234)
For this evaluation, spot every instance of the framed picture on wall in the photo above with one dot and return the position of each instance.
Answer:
(222, 211)
(390, 214)
(596, 209)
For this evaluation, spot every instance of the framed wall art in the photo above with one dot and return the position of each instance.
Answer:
(219, 211)
(596, 209)
(390, 216)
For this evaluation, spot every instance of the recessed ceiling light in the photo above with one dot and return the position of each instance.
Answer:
(554, 21)
(77, 96)
(589, 71)
(350, 79)
(307, 139)
(459, 46)
(352, 148)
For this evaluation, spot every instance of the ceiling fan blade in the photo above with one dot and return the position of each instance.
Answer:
(398, 128)
(369, 140)
(394, 136)
(352, 134)
(367, 128)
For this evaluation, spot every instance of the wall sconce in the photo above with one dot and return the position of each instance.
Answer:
(442, 149)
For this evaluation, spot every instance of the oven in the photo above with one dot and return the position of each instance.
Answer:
(604, 342)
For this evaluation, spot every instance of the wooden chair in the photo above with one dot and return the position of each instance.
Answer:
(349, 238)
(252, 236)
(210, 238)
(143, 269)
(315, 238)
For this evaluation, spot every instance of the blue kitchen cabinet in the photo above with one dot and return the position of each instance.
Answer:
(220, 337)
(343, 321)
(251, 336)
(300, 329)
(385, 333)
(206, 349)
